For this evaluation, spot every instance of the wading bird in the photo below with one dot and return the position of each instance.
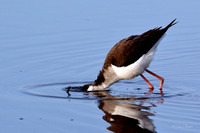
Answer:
(129, 58)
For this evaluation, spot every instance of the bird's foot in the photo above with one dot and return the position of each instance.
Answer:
(151, 89)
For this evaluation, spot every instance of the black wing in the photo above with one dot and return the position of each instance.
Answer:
(130, 49)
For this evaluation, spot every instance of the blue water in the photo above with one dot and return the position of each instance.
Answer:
(49, 45)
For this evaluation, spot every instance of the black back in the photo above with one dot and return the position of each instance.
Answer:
(130, 49)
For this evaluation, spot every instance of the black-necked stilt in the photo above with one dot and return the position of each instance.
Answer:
(130, 58)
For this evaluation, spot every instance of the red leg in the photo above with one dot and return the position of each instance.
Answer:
(160, 78)
(150, 85)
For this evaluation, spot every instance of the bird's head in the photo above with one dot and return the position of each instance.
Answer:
(85, 87)
(93, 87)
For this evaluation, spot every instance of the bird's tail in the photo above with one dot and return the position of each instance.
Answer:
(171, 24)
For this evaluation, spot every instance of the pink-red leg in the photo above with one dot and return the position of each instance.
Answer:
(160, 78)
(149, 84)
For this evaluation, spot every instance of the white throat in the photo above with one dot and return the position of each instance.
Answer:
(99, 87)
(110, 78)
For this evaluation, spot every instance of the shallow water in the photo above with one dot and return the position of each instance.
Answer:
(47, 46)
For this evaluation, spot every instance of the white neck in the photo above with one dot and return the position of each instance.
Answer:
(110, 78)
(99, 87)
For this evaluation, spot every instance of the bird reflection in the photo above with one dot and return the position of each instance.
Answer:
(124, 115)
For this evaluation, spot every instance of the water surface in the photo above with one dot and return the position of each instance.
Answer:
(47, 46)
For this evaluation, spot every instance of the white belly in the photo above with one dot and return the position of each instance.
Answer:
(136, 68)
